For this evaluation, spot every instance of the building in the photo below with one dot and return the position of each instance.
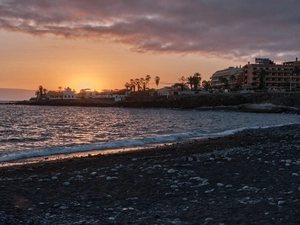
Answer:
(66, 94)
(54, 95)
(167, 91)
(231, 74)
(69, 94)
(265, 74)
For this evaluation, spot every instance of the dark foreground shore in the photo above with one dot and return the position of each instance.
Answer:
(251, 177)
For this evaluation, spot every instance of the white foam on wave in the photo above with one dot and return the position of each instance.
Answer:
(139, 142)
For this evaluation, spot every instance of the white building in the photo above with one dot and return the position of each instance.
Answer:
(69, 94)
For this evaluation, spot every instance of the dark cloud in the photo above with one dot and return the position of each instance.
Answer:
(224, 28)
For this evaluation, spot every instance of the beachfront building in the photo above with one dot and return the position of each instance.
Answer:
(66, 94)
(54, 95)
(69, 94)
(167, 91)
(231, 74)
(265, 74)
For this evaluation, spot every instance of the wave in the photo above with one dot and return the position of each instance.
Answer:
(122, 144)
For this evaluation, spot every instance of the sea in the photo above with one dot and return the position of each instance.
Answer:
(28, 132)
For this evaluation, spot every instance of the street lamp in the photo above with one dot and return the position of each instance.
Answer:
(290, 82)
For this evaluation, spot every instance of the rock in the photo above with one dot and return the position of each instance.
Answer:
(111, 178)
(171, 171)
(207, 220)
(281, 202)
(220, 185)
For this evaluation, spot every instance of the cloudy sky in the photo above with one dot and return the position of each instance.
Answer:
(102, 44)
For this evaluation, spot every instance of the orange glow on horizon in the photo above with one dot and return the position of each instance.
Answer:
(84, 82)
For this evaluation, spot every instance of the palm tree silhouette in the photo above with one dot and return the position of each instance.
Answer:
(157, 79)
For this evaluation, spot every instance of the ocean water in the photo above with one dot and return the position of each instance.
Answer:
(31, 131)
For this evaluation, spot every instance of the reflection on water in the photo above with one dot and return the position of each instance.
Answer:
(28, 131)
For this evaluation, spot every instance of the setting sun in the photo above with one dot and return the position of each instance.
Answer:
(84, 82)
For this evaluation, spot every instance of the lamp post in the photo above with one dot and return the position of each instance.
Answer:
(290, 82)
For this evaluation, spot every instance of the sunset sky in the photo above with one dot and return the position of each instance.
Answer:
(102, 44)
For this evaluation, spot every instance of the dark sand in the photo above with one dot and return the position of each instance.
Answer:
(251, 177)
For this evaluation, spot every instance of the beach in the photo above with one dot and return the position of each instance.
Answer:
(251, 177)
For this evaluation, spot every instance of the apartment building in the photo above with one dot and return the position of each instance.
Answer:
(231, 74)
(265, 73)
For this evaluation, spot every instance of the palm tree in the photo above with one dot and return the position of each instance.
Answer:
(148, 78)
(41, 90)
(206, 84)
(127, 85)
(191, 81)
(232, 80)
(262, 78)
(138, 83)
(196, 80)
(132, 85)
(37, 93)
(157, 79)
(44, 91)
(224, 82)
(143, 83)
(182, 80)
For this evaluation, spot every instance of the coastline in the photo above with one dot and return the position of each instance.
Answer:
(259, 102)
(245, 178)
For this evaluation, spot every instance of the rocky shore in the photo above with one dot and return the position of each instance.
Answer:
(251, 177)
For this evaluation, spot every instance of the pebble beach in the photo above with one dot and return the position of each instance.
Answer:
(251, 177)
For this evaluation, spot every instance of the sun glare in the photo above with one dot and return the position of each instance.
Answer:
(85, 83)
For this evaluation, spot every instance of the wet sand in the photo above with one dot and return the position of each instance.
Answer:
(251, 177)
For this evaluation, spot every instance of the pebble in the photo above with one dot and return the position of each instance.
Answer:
(171, 171)
(281, 202)
(111, 178)
(209, 219)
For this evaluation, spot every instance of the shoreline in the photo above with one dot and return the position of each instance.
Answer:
(123, 150)
(249, 177)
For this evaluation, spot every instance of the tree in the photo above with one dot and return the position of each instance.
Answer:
(206, 85)
(132, 85)
(191, 81)
(224, 82)
(232, 80)
(148, 78)
(127, 85)
(196, 80)
(157, 79)
(262, 79)
(182, 81)
(37, 93)
(44, 91)
(41, 91)
(138, 84)
(143, 83)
